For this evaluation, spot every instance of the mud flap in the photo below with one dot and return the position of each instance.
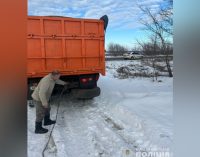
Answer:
(86, 93)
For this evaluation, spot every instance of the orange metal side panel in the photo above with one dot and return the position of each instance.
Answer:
(73, 46)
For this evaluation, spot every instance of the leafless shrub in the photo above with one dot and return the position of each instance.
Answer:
(132, 71)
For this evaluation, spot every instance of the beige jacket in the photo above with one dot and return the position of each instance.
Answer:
(45, 88)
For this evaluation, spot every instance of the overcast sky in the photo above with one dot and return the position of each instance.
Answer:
(123, 26)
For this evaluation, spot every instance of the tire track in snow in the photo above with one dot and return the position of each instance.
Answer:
(131, 136)
(82, 132)
(107, 140)
(72, 128)
(117, 129)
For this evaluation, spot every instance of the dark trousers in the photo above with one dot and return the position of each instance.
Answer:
(41, 112)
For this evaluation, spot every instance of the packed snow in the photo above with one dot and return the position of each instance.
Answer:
(133, 115)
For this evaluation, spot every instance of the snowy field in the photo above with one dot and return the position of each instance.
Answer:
(131, 116)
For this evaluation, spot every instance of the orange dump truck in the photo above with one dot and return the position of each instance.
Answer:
(73, 46)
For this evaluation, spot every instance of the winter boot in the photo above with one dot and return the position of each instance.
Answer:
(39, 129)
(48, 121)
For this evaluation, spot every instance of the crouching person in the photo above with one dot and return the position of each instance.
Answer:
(41, 96)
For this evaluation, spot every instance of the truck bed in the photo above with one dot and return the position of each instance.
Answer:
(73, 46)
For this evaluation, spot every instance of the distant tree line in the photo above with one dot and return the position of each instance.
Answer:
(116, 49)
(152, 48)
(146, 48)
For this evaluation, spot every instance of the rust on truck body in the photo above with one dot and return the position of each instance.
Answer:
(73, 46)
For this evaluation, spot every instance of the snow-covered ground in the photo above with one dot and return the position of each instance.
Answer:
(131, 116)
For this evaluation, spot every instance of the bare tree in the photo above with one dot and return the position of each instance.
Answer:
(166, 12)
(151, 49)
(116, 49)
(155, 48)
(156, 24)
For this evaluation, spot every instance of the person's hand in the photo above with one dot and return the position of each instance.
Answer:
(46, 106)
